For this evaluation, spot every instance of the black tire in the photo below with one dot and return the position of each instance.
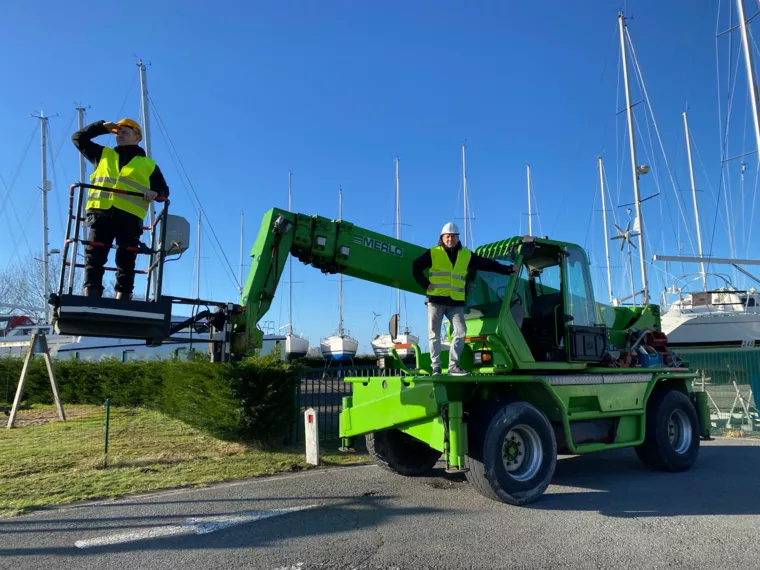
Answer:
(671, 442)
(515, 427)
(398, 452)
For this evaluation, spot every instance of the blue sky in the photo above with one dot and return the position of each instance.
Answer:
(333, 91)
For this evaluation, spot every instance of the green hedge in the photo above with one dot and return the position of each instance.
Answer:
(253, 399)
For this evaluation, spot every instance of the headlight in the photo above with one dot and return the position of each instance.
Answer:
(481, 357)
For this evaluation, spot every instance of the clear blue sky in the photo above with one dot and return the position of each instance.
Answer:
(333, 91)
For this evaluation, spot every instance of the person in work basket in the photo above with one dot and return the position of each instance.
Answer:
(117, 216)
(449, 263)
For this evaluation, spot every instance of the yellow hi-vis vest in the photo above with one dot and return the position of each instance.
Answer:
(448, 280)
(133, 177)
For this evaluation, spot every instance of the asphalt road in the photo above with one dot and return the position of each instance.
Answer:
(602, 511)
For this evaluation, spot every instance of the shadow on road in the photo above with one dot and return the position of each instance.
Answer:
(348, 515)
(615, 483)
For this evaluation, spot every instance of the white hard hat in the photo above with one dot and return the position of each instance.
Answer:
(450, 228)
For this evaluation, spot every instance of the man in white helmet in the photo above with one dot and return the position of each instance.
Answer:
(449, 264)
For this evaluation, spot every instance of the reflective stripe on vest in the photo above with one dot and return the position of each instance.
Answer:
(448, 280)
(133, 177)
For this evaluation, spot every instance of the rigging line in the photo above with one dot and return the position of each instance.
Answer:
(695, 147)
(63, 140)
(725, 181)
(22, 235)
(192, 204)
(673, 224)
(752, 213)
(657, 130)
(18, 170)
(721, 135)
(576, 162)
(210, 225)
(618, 151)
(55, 178)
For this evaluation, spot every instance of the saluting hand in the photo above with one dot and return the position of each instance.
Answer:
(110, 127)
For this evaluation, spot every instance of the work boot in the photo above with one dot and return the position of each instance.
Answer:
(123, 296)
(436, 371)
(92, 292)
(454, 370)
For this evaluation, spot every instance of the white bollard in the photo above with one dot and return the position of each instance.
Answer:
(312, 436)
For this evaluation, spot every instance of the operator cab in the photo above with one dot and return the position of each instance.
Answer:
(559, 315)
(552, 302)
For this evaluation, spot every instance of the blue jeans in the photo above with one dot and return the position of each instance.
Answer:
(435, 320)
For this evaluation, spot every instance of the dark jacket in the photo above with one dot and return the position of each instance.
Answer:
(477, 263)
(93, 151)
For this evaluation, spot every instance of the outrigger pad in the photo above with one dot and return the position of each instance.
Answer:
(107, 317)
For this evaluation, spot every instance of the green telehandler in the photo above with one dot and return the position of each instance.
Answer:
(550, 370)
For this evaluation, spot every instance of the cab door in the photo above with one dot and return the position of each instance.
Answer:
(585, 333)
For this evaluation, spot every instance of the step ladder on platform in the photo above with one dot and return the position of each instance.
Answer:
(149, 319)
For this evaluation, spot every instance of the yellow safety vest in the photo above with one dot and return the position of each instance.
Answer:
(449, 280)
(133, 177)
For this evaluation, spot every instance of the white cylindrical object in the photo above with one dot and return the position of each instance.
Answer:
(311, 427)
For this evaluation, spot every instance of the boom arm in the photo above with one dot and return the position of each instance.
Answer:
(330, 245)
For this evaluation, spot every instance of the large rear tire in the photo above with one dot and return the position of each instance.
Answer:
(515, 461)
(671, 442)
(398, 452)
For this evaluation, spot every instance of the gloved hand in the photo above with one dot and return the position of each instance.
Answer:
(110, 127)
(510, 269)
(430, 287)
(150, 195)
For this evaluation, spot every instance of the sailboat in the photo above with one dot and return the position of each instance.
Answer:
(382, 343)
(341, 345)
(717, 329)
(714, 329)
(296, 346)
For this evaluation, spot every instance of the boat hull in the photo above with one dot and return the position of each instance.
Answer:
(381, 346)
(296, 346)
(339, 347)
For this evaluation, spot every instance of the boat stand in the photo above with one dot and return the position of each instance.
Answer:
(37, 345)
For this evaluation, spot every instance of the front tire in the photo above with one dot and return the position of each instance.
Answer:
(398, 452)
(671, 442)
(517, 456)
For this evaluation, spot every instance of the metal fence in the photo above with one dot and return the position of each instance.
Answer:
(324, 390)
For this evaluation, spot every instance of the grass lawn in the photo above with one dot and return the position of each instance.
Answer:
(48, 462)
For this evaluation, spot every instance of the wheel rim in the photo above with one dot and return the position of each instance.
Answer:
(522, 452)
(679, 431)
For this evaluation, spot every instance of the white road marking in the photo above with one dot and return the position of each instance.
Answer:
(203, 525)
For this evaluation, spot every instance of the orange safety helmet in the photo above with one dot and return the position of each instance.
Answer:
(132, 124)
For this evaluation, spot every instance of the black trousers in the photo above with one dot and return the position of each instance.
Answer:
(105, 227)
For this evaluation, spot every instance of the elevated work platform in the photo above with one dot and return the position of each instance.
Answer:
(114, 318)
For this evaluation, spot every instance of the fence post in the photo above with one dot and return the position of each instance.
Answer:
(311, 427)
(105, 437)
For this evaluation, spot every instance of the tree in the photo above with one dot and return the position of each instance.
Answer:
(22, 285)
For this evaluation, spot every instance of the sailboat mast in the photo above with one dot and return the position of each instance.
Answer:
(694, 198)
(340, 275)
(634, 166)
(464, 183)
(290, 267)
(145, 111)
(530, 214)
(82, 180)
(606, 235)
(45, 187)
(398, 236)
(752, 85)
